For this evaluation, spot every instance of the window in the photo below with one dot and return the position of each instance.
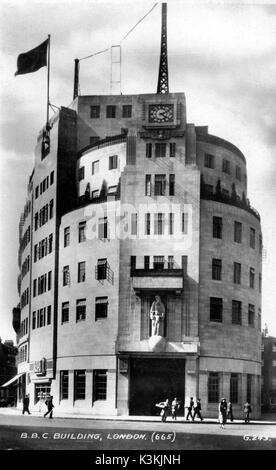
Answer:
(236, 312)
(49, 314)
(184, 264)
(134, 224)
(36, 192)
(34, 287)
(64, 384)
(234, 381)
(34, 321)
(226, 166)
(81, 173)
(184, 223)
(237, 273)
(237, 232)
(95, 193)
(238, 173)
(113, 162)
(171, 223)
(171, 185)
(65, 312)
(170, 262)
(81, 309)
(66, 276)
(102, 228)
(217, 227)
(95, 111)
(216, 269)
(132, 263)
(252, 278)
(79, 385)
(213, 387)
(50, 243)
(216, 309)
(148, 185)
(260, 244)
(66, 237)
(160, 150)
(51, 209)
(100, 385)
(52, 175)
(159, 185)
(248, 388)
(127, 111)
(251, 315)
(159, 224)
(252, 238)
(82, 229)
(95, 167)
(42, 391)
(172, 149)
(209, 160)
(112, 189)
(49, 280)
(111, 111)
(101, 269)
(101, 307)
(149, 150)
(81, 271)
(146, 263)
(147, 223)
(158, 263)
(260, 282)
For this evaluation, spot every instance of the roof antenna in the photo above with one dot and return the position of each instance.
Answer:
(163, 77)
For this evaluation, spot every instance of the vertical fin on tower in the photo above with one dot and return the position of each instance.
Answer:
(163, 77)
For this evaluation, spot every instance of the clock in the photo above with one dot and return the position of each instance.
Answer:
(160, 113)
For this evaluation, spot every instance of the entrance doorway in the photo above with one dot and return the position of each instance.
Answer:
(153, 380)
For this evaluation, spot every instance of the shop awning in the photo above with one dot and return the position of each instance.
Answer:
(14, 379)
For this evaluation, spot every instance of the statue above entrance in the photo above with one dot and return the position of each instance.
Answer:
(157, 314)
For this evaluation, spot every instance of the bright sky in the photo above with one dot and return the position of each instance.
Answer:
(222, 55)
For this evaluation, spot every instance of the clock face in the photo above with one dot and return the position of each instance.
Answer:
(160, 113)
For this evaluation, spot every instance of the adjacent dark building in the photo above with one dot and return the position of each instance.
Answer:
(268, 373)
(8, 369)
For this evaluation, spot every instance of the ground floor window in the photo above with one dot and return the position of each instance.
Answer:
(100, 385)
(234, 381)
(213, 387)
(79, 385)
(42, 391)
(64, 384)
(248, 391)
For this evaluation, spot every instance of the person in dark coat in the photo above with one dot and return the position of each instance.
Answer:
(50, 406)
(26, 403)
(222, 412)
(247, 410)
(190, 409)
(197, 410)
(230, 411)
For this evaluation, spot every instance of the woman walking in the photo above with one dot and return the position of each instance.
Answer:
(222, 412)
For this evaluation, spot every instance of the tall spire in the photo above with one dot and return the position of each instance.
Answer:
(163, 77)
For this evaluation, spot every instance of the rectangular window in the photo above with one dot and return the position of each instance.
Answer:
(236, 312)
(79, 385)
(82, 229)
(80, 309)
(159, 223)
(111, 111)
(95, 193)
(146, 263)
(251, 315)
(147, 223)
(52, 175)
(209, 160)
(216, 269)
(95, 167)
(252, 278)
(170, 262)
(127, 111)
(102, 228)
(101, 308)
(95, 111)
(184, 264)
(100, 385)
(101, 269)
(64, 384)
(134, 224)
(248, 388)
(51, 209)
(216, 309)
(160, 185)
(36, 192)
(260, 244)
(113, 162)
(49, 280)
(81, 271)
(81, 173)
(237, 273)
(65, 312)
(34, 287)
(34, 321)
(132, 263)
(66, 237)
(184, 223)
(35, 253)
(226, 166)
(171, 185)
(213, 387)
(172, 149)
(148, 185)
(234, 382)
(49, 315)
(158, 263)
(252, 238)
(237, 232)
(160, 149)
(149, 150)
(238, 173)
(50, 243)
(66, 276)
(217, 227)
(171, 223)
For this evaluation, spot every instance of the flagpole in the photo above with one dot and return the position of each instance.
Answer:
(48, 84)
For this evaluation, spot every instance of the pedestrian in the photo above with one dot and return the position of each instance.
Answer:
(197, 410)
(26, 403)
(165, 405)
(230, 411)
(50, 406)
(190, 409)
(222, 412)
(247, 410)
(175, 407)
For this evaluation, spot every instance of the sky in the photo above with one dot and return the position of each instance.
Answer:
(222, 55)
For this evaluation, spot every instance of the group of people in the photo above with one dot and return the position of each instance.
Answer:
(48, 403)
(226, 412)
(194, 409)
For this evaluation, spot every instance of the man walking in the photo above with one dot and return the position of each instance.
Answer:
(230, 411)
(247, 410)
(26, 403)
(197, 410)
(190, 409)
(50, 407)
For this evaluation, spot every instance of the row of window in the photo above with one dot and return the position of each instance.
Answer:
(25, 267)
(42, 317)
(102, 272)
(214, 380)
(42, 283)
(27, 210)
(216, 312)
(113, 165)
(238, 233)
(46, 213)
(161, 150)
(159, 263)
(209, 162)
(24, 326)
(44, 185)
(158, 187)
(237, 271)
(101, 309)
(111, 111)
(25, 239)
(99, 384)
(24, 298)
(43, 248)
(22, 353)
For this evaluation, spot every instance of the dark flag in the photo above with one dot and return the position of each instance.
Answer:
(33, 60)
